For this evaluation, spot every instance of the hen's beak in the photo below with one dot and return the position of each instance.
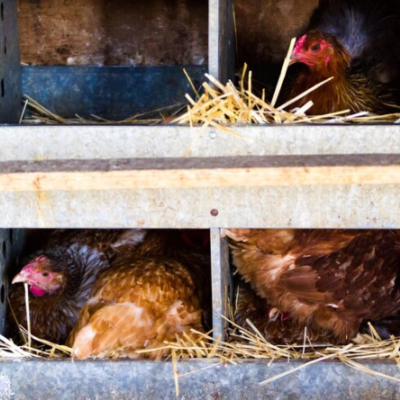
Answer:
(21, 277)
(293, 59)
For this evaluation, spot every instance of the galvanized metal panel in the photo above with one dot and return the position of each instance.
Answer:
(10, 70)
(221, 40)
(4, 257)
(114, 93)
(354, 206)
(199, 380)
(104, 142)
(11, 242)
(221, 281)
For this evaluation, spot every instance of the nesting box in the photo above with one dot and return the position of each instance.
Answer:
(308, 176)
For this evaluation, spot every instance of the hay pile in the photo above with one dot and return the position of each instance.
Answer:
(242, 345)
(223, 105)
(35, 113)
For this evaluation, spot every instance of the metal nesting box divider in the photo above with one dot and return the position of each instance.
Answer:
(117, 176)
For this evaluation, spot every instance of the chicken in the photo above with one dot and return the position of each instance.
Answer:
(332, 279)
(368, 30)
(275, 326)
(323, 57)
(147, 297)
(60, 278)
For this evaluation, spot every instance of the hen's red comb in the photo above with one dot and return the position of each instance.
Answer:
(33, 264)
(299, 44)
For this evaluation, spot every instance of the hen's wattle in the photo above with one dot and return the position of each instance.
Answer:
(72, 259)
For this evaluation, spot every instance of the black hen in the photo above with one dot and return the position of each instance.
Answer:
(61, 276)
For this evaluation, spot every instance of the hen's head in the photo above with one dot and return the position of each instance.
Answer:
(42, 276)
(320, 51)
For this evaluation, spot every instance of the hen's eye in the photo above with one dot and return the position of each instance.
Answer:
(45, 274)
(315, 47)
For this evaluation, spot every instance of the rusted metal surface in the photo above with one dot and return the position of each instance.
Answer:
(10, 71)
(118, 32)
(113, 93)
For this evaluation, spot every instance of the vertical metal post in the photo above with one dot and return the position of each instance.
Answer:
(11, 245)
(221, 40)
(220, 277)
(10, 63)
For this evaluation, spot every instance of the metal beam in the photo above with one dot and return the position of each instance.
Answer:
(10, 69)
(64, 379)
(221, 40)
(350, 206)
(221, 281)
(60, 142)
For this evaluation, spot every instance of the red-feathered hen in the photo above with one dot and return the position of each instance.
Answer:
(353, 42)
(149, 296)
(368, 30)
(61, 275)
(332, 279)
(324, 56)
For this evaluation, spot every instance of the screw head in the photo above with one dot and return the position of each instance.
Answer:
(214, 212)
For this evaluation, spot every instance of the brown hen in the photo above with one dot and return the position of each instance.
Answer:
(323, 56)
(333, 279)
(276, 327)
(147, 297)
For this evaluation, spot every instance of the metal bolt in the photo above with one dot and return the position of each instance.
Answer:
(212, 135)
(214, 212)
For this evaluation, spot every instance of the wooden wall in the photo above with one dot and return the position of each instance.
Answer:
(152, 32)
(113, 32)
(265, 27)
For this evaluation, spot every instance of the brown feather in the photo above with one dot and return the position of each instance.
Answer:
(143, 300)
(334, 279)
(349, 89)
(280, 330)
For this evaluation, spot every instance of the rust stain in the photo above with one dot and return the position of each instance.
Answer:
(43, 202)
(36, 184)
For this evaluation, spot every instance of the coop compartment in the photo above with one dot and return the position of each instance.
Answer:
(112, 59)
(247, 276)
(20, 244)
(271, 180)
